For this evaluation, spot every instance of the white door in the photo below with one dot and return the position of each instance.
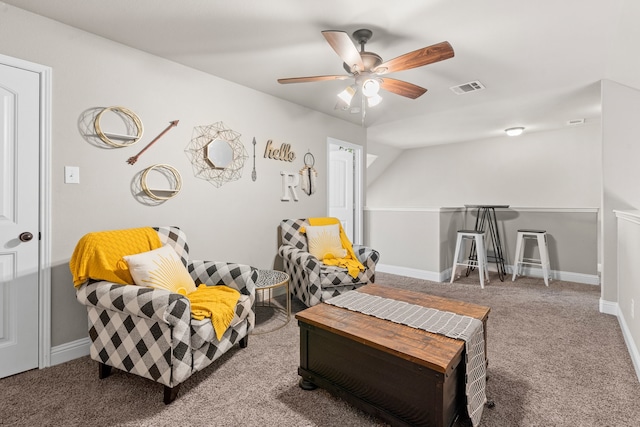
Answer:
(19, 210)
(341, 202)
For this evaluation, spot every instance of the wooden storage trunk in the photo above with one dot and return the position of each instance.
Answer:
(406, 376)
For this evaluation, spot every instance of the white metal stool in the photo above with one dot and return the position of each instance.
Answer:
(541, 237)
(481, 255)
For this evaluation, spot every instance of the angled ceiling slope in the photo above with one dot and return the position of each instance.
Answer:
(538, 61)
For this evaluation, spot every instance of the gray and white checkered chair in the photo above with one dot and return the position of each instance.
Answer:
(311, 280)
(149, 332)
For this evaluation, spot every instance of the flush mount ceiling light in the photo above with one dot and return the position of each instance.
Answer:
(514, 131)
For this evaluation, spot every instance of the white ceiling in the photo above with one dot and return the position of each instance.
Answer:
(540, 60)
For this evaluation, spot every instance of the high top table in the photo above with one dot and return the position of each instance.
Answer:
(487, 218)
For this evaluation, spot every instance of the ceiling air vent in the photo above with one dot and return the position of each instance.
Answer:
(467, 87)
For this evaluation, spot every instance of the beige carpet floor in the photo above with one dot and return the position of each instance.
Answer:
(554, 360)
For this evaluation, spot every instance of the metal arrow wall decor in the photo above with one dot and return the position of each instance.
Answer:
(254, 174)
(132, 160)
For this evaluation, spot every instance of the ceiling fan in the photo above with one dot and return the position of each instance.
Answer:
(368, 70)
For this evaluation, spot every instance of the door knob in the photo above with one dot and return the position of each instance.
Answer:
(26, 236)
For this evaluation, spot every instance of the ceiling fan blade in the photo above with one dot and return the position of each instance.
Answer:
(417, 58)
(402, 88)
(344, 47)
(311, 79)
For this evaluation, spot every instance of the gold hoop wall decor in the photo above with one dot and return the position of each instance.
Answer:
(216, 153)
(172, 175)
(130, 119)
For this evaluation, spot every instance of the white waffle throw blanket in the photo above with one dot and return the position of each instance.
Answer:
(439, 322)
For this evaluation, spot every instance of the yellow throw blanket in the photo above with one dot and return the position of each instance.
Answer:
(99, 255)
(217, 302)
(350, 262)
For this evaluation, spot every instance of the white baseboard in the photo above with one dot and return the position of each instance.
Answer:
(587, 279)
(69, 351)
(413, 272)
(612, 308)
(567, 276)
(608, 307)
(443, 276)
(631, 345)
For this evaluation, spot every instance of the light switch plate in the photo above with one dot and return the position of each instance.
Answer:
(71, 175)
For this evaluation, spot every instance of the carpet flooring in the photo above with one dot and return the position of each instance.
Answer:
(554, 360)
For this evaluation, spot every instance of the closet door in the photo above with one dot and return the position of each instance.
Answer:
(19, 222)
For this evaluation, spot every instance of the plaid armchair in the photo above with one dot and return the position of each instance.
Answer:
(150, 332)
(311, 280)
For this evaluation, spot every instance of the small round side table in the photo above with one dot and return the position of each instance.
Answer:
(268, 281)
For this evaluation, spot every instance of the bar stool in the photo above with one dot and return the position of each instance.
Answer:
(541, 237)
(480, 260)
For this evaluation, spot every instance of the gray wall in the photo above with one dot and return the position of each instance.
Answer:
(237, 222)
(405, 238)
(543, 169)
(629, 277)
(420, 242)
(552, 180)
(571, 238)
(620, 126)
(385, 156)
(620, 109)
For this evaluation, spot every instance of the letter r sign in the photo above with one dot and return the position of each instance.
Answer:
(289, 183)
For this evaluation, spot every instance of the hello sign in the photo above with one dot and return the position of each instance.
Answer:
(283, 153)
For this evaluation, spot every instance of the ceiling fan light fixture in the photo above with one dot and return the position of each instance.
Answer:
(370, 87)
(347, 94)
(374, 100)
(514, 131)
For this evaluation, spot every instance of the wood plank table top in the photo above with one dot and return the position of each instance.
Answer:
(434, 351)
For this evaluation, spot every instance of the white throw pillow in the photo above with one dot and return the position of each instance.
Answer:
(324, 241)
(162, 269)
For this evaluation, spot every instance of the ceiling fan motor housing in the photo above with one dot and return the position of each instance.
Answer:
(369, 59)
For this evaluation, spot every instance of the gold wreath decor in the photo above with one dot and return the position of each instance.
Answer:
(161, 168)
(131, 138)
